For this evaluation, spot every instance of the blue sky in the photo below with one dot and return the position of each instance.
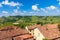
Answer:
(30, 7)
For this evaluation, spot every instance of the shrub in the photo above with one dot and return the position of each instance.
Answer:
(45, 39)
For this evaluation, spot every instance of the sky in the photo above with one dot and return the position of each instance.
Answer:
(29, 7)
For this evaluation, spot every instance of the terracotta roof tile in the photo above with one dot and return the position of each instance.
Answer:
(6, 39)
(50, 31)
(7, 32)
(22, 37)
(32, 27)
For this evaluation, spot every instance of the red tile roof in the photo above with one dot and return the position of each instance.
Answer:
(32, 27)
(6, 39)
(50, 31)
(22, 37)
(11, 31)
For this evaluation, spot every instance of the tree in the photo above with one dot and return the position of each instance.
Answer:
(40, 23)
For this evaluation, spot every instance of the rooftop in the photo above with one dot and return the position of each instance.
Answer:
(11, 31)
(50, 31)
(22, 37)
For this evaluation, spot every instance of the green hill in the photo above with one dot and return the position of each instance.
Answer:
(22, 21)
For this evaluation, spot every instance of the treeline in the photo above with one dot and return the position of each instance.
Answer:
(28, 20)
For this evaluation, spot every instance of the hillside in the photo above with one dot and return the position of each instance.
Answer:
(23, 21)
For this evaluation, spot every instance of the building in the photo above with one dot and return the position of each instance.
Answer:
(34, 32)
(13, 33)
(48, 31)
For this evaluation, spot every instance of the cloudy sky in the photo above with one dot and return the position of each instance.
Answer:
(30, 7)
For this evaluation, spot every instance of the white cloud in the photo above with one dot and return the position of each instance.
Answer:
(5, 2)
(15, 11)
(12, 3)
(4, 12)
(0, 5)
(51, 7)
(24, 11)
(58, 10)
(17, 7)
(34, 7)
(37, 4)
(58, 2)
(31, 12)
(44, 10)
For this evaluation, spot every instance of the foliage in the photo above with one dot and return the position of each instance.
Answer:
(45, 39)
(28, 20)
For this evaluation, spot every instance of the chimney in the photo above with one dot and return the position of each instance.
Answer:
(26, 28)
(46, 27)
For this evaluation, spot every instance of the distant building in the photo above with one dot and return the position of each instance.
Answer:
(15, 23)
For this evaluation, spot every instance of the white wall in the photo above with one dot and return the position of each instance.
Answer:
(38, 35)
